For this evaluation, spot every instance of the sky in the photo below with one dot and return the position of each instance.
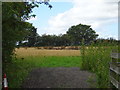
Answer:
(102, 15)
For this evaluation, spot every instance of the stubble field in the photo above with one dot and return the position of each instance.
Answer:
(25, 52)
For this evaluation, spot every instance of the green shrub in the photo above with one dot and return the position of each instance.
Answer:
(96, 59)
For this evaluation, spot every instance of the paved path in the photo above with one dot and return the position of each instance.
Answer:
(59, 77)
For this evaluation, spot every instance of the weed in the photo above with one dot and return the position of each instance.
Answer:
(96, 59)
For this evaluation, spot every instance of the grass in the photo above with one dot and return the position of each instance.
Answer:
(96, 59)
(22, 52)
(19, 69)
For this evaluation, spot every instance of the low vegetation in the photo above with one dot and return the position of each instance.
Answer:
(20, 67)
(96, 59)
(23, 52)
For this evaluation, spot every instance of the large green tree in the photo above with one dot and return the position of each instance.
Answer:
(80, 32)
(14, 25)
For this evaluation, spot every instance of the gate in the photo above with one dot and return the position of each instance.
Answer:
(115, 70)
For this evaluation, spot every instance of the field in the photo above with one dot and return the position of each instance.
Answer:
(93, 58)
(30, 58)
(23, 52)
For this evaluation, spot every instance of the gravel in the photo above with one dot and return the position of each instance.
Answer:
(60, 77)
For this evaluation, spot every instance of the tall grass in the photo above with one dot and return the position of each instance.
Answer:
(96, 59)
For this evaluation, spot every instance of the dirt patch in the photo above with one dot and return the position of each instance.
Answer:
(59, 77)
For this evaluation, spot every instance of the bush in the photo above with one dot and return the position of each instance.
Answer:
(96, 59)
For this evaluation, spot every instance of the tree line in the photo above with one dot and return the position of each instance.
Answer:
(73, 37)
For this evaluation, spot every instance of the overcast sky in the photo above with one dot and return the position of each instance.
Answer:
(102, 15)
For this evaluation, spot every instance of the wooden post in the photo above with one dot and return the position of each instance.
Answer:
(115, 70)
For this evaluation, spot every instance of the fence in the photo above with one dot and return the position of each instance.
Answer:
(115, 70)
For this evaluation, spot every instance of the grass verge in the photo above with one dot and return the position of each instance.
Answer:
(96, 59)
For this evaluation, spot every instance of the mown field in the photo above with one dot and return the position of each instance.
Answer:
(30, 58)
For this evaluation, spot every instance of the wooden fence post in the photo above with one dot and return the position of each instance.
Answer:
(115, 70)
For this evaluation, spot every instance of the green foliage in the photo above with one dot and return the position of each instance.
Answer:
(96, 59)
(18, 70)
(49, 40)
(74, 36)
(109, 41)
(80, 32)
(14, 26)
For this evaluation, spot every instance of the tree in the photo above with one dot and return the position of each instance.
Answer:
(31, 38)
(65, 40)
(80, 32)
(109, 41)
(14, 25)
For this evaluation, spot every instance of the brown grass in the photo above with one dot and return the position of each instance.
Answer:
(22, 52)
